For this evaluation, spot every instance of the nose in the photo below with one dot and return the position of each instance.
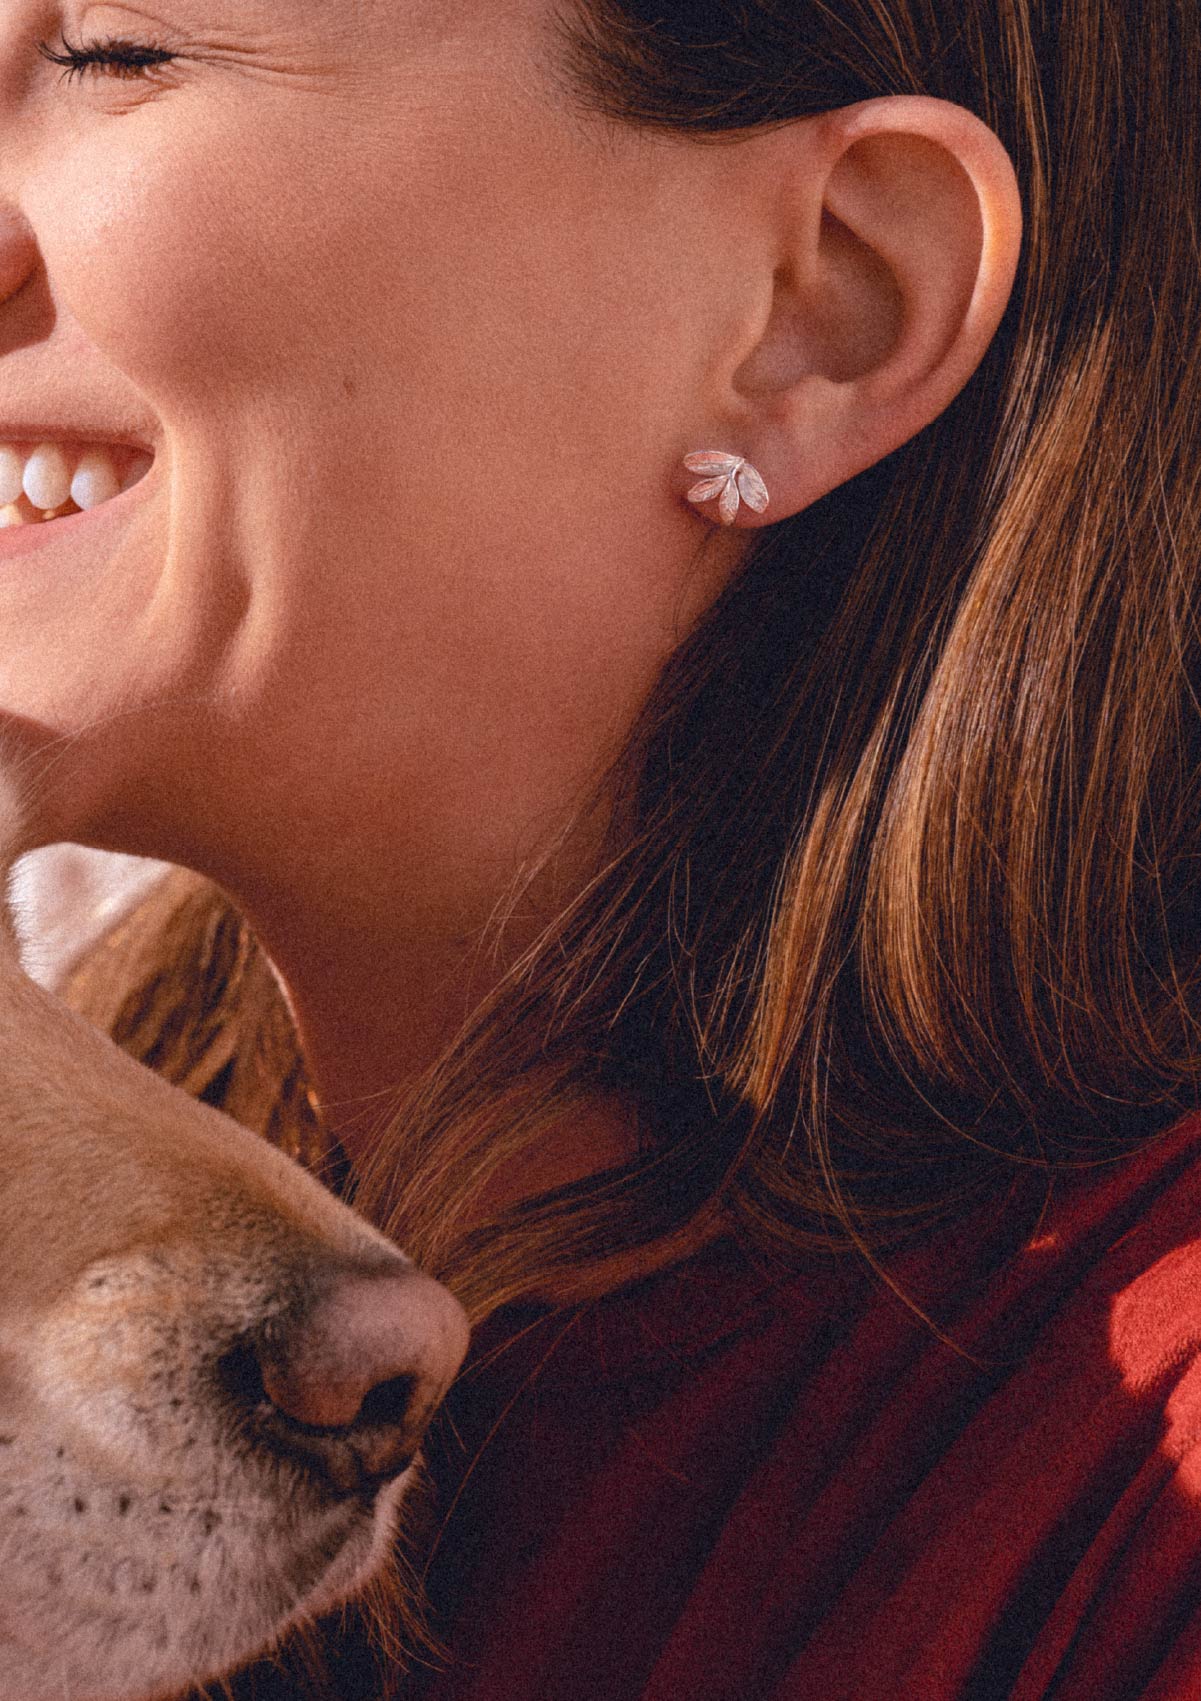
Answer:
(347, 1385)
(18, 251)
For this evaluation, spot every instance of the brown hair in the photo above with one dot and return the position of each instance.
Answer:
(901, 886)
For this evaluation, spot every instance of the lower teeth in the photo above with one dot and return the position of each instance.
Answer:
(23, 513)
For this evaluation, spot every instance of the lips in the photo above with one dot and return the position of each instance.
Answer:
(69, 537)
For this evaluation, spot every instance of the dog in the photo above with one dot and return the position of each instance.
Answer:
(213, 1375)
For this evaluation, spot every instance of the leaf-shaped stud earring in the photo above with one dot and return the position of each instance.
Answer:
(731, 479)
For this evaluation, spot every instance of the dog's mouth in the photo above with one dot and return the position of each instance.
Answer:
(160, 1588)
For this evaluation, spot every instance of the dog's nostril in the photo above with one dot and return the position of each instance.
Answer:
(389, 1402)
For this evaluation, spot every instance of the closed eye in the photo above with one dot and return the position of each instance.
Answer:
(114, 56)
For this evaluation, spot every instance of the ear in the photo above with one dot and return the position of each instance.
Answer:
(882, 242)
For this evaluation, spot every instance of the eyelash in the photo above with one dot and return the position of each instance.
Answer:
(113, 56)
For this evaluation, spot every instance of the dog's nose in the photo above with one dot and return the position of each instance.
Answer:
(349, 1384)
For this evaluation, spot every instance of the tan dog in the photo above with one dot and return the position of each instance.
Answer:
(213, 1376)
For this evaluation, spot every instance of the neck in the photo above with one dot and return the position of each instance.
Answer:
(378, 1000)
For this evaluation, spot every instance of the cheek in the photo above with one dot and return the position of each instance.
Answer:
(166, 250)
(243, 255)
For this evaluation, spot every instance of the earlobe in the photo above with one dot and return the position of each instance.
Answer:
(897, 248)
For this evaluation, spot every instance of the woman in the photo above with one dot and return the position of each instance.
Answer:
(748, 961)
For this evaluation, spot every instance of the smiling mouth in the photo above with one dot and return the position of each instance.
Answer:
(47, 481)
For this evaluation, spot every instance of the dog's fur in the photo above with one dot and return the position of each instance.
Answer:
(147, 1539)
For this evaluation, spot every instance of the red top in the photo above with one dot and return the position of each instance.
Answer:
(727, 1484)
(720, 1485)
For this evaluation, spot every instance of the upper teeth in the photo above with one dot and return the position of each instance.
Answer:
(51, 474)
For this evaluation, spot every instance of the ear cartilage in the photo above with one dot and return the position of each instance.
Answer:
(731, 479)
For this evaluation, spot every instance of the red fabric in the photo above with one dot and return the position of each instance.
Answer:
(725, 1484)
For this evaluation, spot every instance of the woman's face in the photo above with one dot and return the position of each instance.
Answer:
(414, 345)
